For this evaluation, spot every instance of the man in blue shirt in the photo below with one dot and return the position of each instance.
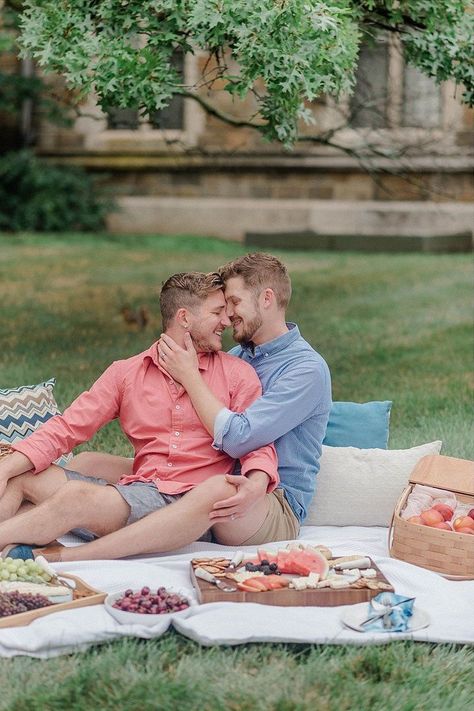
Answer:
(294, 408)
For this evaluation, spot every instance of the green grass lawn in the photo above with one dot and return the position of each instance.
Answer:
(395, 327)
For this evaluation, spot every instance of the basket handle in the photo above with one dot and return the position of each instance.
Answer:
(390, 535)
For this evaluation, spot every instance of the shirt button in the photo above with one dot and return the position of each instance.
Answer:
(266, 355)
(175, 446)
(169, 464)
(177, 434)
(178, 407)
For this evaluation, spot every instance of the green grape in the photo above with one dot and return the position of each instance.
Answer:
(25, 570)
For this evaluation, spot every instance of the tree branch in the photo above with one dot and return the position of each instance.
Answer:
(213, 111)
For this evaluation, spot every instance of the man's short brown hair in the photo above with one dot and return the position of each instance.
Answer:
(260, 271)
(186, 290)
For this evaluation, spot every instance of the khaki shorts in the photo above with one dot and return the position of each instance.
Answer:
(280, 523)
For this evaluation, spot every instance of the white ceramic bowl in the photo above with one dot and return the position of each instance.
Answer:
(138, 618)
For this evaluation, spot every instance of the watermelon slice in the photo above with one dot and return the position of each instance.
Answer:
(283, 561)
(306, 562)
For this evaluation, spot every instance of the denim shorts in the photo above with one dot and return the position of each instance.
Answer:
(143, 498)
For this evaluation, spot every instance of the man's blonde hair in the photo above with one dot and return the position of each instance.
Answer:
(260, 271)
(186, 290)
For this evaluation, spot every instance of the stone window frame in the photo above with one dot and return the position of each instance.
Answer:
(337, 113)
(98, 137)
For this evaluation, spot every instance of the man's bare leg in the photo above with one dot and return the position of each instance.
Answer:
(27, 489)
(99, 464)
(99, 508)
(177, 525)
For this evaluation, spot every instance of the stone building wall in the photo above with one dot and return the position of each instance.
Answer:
(205, 157)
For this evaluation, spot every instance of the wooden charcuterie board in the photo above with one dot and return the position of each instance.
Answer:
(288, 597)
(83, 596)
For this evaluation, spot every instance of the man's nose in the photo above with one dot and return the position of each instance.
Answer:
(225, 320)
(229, 310)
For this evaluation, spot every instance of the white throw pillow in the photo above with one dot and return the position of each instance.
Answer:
(360, 487)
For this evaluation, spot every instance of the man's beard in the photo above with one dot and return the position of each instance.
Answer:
(248, 329)
(202, 343)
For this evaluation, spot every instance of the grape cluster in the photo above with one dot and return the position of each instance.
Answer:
(264, 567)
(12, 603)
(24, 570)
(147, 602)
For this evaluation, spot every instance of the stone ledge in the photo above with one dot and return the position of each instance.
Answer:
(232, 219)
(360, 243)
(178, 161)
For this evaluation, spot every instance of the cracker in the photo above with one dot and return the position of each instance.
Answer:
(383, 586)
(211, 568)
(372, 585)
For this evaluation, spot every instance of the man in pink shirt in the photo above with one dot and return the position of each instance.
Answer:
(175, 462)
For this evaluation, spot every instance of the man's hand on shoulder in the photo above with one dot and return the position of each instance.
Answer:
(12, 465)
(250, 489)
(180, 363)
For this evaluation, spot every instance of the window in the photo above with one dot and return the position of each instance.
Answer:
(369, 101)
(421, 100)
(169, 118)
(390, 93)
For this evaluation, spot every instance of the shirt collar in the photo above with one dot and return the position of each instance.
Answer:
(277, 344)
(152, 353)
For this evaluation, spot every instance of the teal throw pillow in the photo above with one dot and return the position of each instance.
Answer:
(359, 424)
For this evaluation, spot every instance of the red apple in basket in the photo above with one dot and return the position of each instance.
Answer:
(445, 511)
(463, 522)
(415, 519)
(465, 530)
(471, 513)
(431, 517)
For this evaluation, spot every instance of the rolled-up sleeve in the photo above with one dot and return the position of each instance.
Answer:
(284, 405)
(79, 422)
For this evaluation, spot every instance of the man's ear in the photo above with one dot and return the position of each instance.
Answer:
(183, 318)
(268, 298)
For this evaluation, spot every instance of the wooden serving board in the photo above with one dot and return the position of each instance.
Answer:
(83, 596)
(288, 597)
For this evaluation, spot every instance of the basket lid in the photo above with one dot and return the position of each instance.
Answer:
(442, 472)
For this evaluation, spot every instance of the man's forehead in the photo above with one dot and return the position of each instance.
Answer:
(235, 286)
(216, 298)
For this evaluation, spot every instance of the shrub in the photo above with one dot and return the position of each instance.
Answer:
(35, 195)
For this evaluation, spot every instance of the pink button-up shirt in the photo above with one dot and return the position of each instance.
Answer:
(172, 447)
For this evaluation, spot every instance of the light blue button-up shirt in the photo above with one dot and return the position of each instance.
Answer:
(292, 412)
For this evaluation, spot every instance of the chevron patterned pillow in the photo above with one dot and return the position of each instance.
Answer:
(24, 409)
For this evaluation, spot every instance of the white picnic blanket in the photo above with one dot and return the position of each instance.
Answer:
(449, 604)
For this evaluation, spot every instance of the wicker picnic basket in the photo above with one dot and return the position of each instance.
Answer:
(445, 552)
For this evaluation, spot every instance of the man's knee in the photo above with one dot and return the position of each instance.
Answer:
(37, 487)
(81, 459)
(215, 489)
(20, 482)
